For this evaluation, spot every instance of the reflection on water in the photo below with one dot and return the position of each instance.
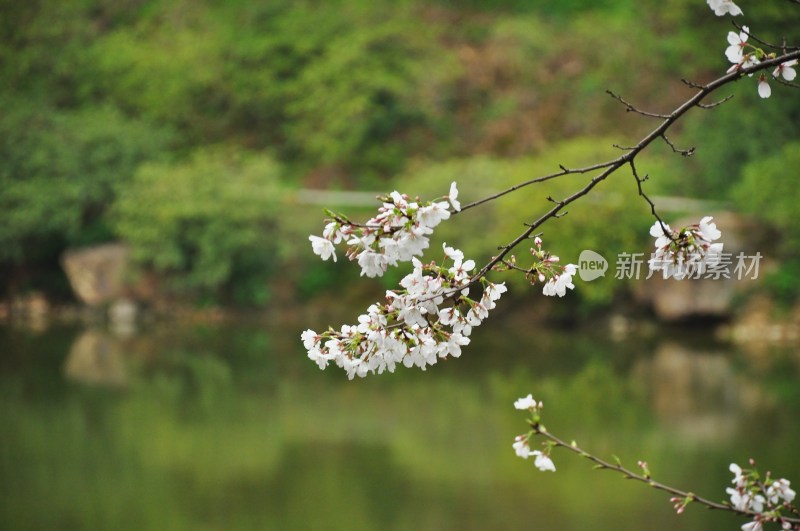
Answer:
(96, 358)
(230, 427)
(693, 391)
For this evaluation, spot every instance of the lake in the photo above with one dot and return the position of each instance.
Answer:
(229, 426)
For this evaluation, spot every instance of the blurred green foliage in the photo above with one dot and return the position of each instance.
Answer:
(59, 172)
(768, 190)
(206, 221)
(349, 94)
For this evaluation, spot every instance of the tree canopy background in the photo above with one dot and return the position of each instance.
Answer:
(183, 128)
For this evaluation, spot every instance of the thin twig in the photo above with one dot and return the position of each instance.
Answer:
(683, 152)
(564, 171)
(787, 83)
(623, 148)
(515, 267)
(716, 103)
(781, 47)
(639, 182)
(629, 107)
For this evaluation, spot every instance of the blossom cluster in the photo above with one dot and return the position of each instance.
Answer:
(546, 269)
(686, 252)
(397, 233)
(521, 444)
(430, 318)
(764, 498)
(743, 55)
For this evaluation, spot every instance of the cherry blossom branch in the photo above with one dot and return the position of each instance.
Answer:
(414, 327)
(761, 500)
(645, 477)
(539, 429)
(612, 166)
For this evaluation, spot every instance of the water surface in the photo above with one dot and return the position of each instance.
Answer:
(229, 426)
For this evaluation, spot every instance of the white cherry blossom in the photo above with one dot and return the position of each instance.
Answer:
(454, 254)
(755, 525)
(322, 247)
(748, 60)
(543, 462)
(744, 500)
(764, 90)
(526, 402)
(708, 229)
(433, 214)
(453, 197)
(737, 41)
(738, 478)
(310, 339)
(786, 70)
(724, 7)
(780, 490)
(521, 447)
(333, 232)
(454, 344)
(372, 264)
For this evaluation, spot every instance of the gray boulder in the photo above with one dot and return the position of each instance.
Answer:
(97, 273)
